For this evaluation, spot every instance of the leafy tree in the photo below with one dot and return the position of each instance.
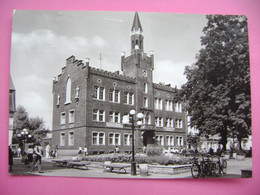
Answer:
(21, 119)
(217, 92)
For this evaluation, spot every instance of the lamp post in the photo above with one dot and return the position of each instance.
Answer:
(139, 116)
(24, 135)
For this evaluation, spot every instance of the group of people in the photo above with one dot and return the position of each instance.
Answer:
(83, 151)
(51, 151)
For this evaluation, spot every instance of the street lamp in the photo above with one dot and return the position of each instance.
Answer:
(24, 135)
(139, 117)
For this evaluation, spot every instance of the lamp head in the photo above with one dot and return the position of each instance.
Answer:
(132, 112)
(140, 115)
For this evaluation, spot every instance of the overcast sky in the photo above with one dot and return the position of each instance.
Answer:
(43, 40)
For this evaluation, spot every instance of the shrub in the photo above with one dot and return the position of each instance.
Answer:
(153, 150)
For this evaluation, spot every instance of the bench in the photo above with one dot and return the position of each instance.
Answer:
(174, 167)
(60, 162)
(79, 165)
(112, 166)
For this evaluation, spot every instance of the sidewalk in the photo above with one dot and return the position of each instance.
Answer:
(96, 170)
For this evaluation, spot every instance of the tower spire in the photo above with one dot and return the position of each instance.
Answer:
(136, 23)
(136, 35)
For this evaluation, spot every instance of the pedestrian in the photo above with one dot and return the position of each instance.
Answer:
(80, 151)
(47, 150)
(56, 151)
(211, 152)
(37, 157)
(30, 155)
(117, 150)
(85, 151)
(19, 152)
(11, 162)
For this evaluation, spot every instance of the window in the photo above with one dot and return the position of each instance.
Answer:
(145, 88)
(158, 103)
(170, 140)
(168, 105)
(114, 117)
(128, 98)
(99, 93)
(114, 138)
(158, 121)
(178, 107)
(159, 139)
(179, 140)
(98, 115)
(68, 91)
(169, 122)
(145, 102)
(71, 138)
(62, 139)
(98, 138)
(127, 139)
(63, 118)
(71, 116)
(147, 119)
(178, 123)
(114, 96)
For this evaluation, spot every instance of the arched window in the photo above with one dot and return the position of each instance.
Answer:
(68, 91)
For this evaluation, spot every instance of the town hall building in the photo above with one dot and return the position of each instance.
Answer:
(89, 105)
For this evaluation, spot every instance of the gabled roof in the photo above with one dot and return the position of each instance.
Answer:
(11, 84)
(137, 23)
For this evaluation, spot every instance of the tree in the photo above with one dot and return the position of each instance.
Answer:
(21, 119)
(217, 92)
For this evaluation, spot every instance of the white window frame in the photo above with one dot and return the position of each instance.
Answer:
(114, 139)
(98, 114)
(160, 139)
(71, 139)
(114, 114)
(62, 138)
(98, 95)
(145, 88)
(71, 118)
(114, 91)
(178, 107)
(98, 136)
(68, 91)
(62, 118)
(127, 139)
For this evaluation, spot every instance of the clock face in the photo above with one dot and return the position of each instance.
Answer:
(144, 73)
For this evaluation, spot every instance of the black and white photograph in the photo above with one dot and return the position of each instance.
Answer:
(129, 95)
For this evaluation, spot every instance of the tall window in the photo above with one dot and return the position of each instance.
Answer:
(168, 105)
(99, 93)
(98, 138)
(178, 123)
(159, 139)
(62, 139)
(145, 102)
(71, 116)
(98, 115)
(68, 91)
(63, 118)
(158, 103)
(127, 139)
(128, 98)
(158, 121)
(114, 96)
(114, 138)
(170, 140)
(178, 107)
(145, 88)
(169, 122)
(179, 140)
(114, 117)
(71, 138)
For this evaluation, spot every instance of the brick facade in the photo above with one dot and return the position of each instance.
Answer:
(89, 105)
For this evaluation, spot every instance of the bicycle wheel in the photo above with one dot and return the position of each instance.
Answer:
(224, 166)
(195, 171)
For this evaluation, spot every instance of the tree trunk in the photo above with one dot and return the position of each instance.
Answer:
(223, 134)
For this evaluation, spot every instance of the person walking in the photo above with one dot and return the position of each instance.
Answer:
(85, 151)
(19, 152)
(37, 157)
(30, 155)
(47, 150)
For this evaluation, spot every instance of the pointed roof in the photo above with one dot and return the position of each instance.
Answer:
(137, 23)
(11, 84)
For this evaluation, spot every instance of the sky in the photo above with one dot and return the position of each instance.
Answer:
(43, 40)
